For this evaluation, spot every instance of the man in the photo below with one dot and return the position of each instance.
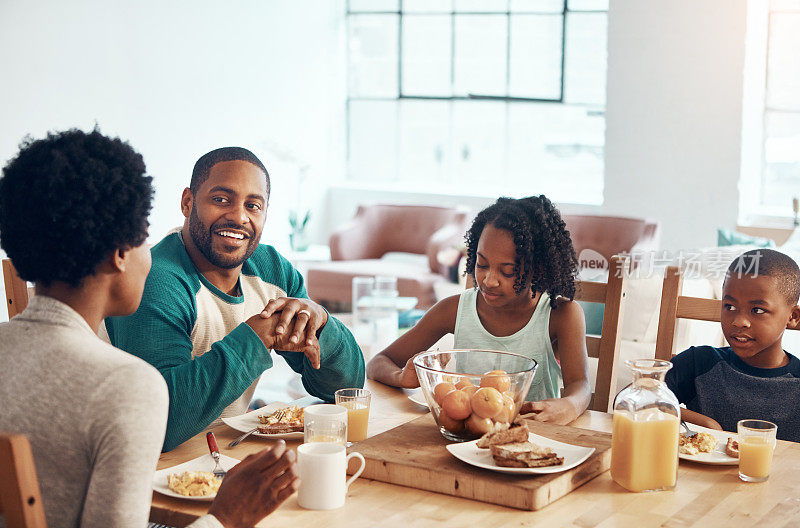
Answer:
(216, 301)
(94, 415)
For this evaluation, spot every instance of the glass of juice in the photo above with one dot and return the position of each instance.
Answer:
(356, 401)
(756, 445)
(325, 423)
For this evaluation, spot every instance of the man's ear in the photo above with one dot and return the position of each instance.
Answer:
(794, 318)
(187, 201)
(118, 260)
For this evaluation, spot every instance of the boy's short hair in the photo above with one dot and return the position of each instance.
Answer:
(202, 167)
(772, 263)
(68, 200)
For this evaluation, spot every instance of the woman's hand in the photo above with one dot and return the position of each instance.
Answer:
(408, 375)
(554, 410)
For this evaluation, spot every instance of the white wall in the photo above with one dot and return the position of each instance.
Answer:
(674, 115)
(179, 78)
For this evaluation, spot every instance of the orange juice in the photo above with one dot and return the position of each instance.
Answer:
(644, 450)
(755, 456)
(357, 418)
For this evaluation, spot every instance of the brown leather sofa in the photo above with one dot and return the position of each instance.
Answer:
(357, 248)
(609, 235)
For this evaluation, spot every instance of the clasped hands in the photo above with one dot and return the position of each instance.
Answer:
(291, 324)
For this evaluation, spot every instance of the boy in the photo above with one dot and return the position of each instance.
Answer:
(753, 377)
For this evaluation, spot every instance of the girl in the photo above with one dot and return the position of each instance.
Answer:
(521, 258)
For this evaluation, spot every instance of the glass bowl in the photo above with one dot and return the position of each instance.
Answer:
(468, 391)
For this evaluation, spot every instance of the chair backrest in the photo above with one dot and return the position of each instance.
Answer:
(16, 289)
(605, 347)
(20, 498)
(675, 306)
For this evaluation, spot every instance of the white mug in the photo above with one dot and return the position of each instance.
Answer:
(323, 470)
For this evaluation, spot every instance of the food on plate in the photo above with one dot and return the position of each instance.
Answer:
(456, 405)
(504, 434)
(497, 379)
(486, 402)
(193, 483)
(732, 448)
(699, 443)
(524, 454)
(287, 420)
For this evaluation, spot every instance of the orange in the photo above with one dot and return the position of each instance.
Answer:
(454, 426)
(464, 382)
(497, 379)
(440, 390)
(479, 425)
(470, 390)
(456, 405)
(486, 402)
(507, 412)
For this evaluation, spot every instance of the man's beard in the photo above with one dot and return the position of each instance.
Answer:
(202, 236)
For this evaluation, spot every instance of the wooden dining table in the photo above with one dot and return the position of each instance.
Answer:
(706, 495)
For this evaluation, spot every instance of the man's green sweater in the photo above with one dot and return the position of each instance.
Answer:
(195, 335)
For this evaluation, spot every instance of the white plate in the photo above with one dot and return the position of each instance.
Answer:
(482, 458)
(717, 456)
(247, 421)
(203, 463)
(418, 398)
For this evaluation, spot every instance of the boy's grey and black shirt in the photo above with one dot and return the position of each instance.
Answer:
(717, 383)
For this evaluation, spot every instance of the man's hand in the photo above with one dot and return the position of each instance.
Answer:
(255, 487)
(266, 328)
(309, 318)
(555, 410)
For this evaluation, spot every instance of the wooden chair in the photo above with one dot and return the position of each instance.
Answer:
(17, 291)
(675, 306)
(605, 347)
(20, 498)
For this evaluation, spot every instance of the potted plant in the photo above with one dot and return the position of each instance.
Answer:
(298, 238)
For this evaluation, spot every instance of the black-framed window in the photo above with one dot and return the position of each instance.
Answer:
(470, 93)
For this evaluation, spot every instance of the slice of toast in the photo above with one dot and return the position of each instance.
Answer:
(732, 448)
(517, 432)
(539, 462)
(521, 451)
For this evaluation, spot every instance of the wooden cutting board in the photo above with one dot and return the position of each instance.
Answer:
(414, 455)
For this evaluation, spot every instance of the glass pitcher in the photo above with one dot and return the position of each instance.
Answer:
(644, 449)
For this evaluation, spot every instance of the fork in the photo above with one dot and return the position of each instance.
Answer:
(212, 446)
(689, 433)
(248, 433)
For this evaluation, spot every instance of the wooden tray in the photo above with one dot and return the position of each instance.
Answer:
(414, 455)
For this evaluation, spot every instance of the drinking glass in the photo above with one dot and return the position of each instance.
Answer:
(363, 327)
(356, 401)
(325, 423)
(756, 445)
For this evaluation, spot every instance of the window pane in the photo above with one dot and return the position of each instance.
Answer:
(480, 54)
(425, 142)
(373, 55)
(479, 141)
(536, 6)
(367, 6)
(587, 5)
(427, 6)
(427, 49)
(782, 159)
(557, 150)
(481, 6)
(585, 58)
(535, 56)
(372, 140)
(783, 69)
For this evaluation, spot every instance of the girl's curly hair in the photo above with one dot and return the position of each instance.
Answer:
(545, 255)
